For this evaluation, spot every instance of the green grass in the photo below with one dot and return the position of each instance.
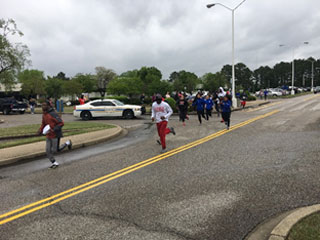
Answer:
(69, 129)
(66, 109)
(307, 229)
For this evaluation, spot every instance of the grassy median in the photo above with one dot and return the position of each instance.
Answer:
(9, 137)
(307, 229)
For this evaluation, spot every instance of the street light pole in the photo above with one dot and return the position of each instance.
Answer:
(234, 100)
(292, 81)
(312, 74)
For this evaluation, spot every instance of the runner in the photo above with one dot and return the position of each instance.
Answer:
(226, 111)
(199, 103)
(209, 104)
(52, 127)
(183, 109)
(161, 111)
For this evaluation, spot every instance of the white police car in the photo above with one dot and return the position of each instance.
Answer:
(106, 108)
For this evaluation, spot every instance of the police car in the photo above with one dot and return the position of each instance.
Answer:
(106, 108)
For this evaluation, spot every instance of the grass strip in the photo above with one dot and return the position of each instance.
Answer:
(69, 129)
(307, 229)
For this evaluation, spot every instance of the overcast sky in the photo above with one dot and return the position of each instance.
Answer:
(75, 36)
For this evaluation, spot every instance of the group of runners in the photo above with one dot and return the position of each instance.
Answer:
(161, 111)
(203, 104)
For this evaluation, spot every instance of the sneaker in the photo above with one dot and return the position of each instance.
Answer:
(69, 144)
(222, 121)
(172, 131)
(54, 165)
(184, 124)
(159, 142)
(227, 127)
(163, 150)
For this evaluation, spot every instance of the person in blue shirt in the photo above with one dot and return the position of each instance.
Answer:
(208, 106)
(226, 111)
(199, 103)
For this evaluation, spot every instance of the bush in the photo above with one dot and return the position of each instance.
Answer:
(172, 104)
(251, 98)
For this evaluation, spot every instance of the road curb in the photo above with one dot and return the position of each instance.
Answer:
(281, 231)
(278, 227)
(79, 141)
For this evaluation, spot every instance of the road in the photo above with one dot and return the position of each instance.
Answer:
(218, 187)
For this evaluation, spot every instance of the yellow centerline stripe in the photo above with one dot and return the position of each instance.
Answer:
(119, 173)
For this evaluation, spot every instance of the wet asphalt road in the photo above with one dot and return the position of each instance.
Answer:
(220, 189)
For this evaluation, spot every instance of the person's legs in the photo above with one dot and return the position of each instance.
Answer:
(49, 151)
(163, 131)
(207, 114)
(199, 116)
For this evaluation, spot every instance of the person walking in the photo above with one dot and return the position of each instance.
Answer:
(52, 127)
(32, 103)
(208, 106)
(265, 94)
(226, 111)
(199, 104)
(161, 111)
(183, 109)
(243, 98)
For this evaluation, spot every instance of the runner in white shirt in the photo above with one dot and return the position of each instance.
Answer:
(161, 111)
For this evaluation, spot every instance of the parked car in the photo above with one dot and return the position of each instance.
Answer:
(274, 92)
(8, 105)
(106, 108)
(316, 89)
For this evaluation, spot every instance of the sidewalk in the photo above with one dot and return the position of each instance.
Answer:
(32, 150)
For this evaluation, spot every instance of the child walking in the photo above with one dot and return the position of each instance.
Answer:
(161, 111)
(226, 111)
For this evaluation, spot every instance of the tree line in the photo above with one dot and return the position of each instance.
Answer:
(14, 59)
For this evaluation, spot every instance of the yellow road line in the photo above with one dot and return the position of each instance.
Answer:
(104, 179)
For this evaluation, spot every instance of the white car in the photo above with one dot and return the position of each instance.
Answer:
(106, 108)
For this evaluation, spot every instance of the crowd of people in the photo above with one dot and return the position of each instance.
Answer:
(203, 104)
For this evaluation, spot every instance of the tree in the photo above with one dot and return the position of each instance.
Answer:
(87, 81)
(264, 77)
(62, 76)
(54, 87)
(243, 75)
(33, 82)
(104, 76)
(72, 87)
(125, 85)
(184, 81)
(149, 76)
(212, 81)
(13, 56)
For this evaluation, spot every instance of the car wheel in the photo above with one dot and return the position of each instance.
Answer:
(128, 114)
(275, 95)
(86, 115)
(21, 112)
(6, 111)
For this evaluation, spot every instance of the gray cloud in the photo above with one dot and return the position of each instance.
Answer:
(75, 36)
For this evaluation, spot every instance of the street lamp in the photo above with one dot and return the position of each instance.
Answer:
(292, 80)
(312, 73)
(234, 100)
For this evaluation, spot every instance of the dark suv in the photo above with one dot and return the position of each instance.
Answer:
(8, 105)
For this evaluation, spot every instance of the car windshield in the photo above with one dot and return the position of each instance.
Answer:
(118, 102)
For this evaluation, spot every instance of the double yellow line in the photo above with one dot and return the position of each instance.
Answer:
(35, 206)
